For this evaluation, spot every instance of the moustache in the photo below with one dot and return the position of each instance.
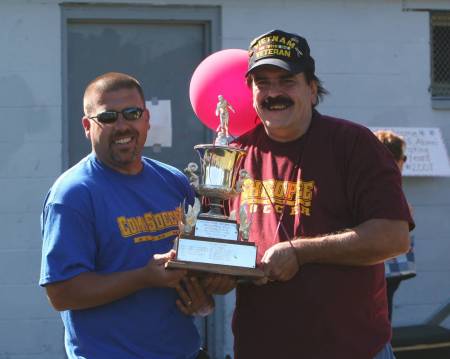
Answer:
(274, 101)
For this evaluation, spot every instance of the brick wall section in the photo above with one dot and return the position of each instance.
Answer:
(30, 143)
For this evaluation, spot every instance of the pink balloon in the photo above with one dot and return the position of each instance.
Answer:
(223, 73)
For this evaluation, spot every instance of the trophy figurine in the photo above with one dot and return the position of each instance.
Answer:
(212, 241)
(222, 131)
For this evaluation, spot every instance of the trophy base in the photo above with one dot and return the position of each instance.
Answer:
(222, 256)
(216, 268)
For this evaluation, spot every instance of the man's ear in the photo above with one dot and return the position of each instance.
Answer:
(87, 127)
(147, 117)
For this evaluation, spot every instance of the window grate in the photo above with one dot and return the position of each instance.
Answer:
(440, 58)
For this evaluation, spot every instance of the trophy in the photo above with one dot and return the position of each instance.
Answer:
(212, 241)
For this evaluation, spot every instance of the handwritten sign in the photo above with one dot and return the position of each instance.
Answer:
(425, 149)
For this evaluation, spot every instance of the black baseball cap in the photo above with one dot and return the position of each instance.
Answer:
(282, 49)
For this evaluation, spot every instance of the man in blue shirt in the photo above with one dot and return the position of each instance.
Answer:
(108, 226)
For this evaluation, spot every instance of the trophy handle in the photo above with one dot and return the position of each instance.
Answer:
(191, 172)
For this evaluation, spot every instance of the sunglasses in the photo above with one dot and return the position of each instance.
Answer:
(129, 114)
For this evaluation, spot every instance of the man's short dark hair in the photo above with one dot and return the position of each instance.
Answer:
(110, 81)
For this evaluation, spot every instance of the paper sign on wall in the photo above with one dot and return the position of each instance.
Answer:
(160, 132)
(425, 149)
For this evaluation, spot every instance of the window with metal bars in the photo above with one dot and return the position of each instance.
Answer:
(440, 55)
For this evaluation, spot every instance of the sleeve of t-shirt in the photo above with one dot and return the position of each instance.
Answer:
(68, 247)
(374, 183)
(188, 191)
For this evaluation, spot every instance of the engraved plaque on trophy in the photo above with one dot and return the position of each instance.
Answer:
(212, 241)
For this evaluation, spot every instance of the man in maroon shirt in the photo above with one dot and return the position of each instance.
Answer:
(326, 207)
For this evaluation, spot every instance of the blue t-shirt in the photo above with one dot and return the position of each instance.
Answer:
(98, 220)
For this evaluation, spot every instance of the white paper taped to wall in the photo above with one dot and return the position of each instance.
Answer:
(160, 132)
(425, 149)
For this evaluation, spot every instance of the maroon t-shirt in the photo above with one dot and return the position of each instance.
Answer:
(334, 177)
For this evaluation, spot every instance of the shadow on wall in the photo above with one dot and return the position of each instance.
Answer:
(21, 117)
